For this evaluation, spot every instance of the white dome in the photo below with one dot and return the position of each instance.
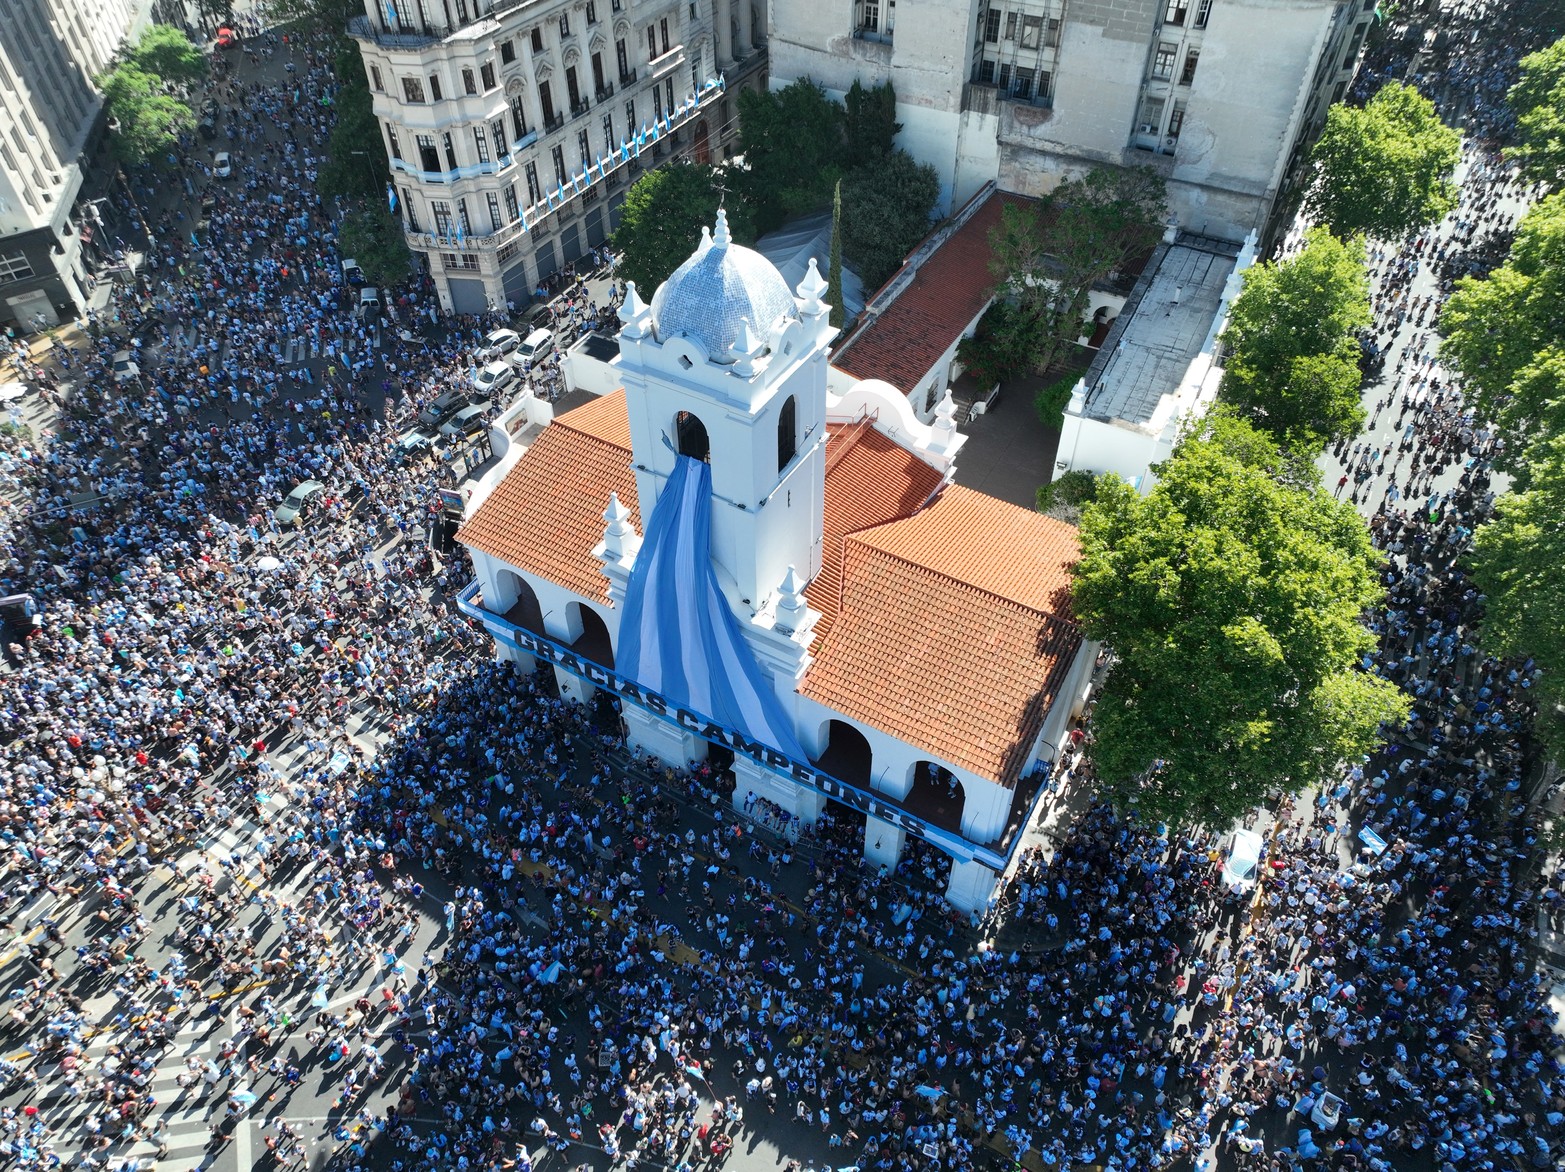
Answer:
(721, 284)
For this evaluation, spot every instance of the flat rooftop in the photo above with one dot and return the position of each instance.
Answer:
(1162, 327)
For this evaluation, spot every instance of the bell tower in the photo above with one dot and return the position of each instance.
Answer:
(728, 366)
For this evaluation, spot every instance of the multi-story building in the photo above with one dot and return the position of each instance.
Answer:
(50, 129)
(1223, 97)
(515, 127)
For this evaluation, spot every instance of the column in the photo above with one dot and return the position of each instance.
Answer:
(573, 687)
(723, 22)
(661, 738)
(746, 39)
(883, 843)
(971, 887)
(753, 781)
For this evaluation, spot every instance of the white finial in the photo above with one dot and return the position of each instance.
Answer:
(633, 313)
(619, 535)
(745, 349)
(616, 515)
(791, 586)
(945, 413)
(721, 238)
(791, 607)
(1078, 402)
(811, 289)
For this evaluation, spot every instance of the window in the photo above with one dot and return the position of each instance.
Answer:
(592, 12)
(537, 38)
(869, 16)
(597, 73)
(992, 26)
(518, 118)
(407, 206)
(608, 133)
(616, 5)
(534, 189)
(1052, 36)
(1176, 120)
(1175, 13)
(1032, 31)
(15, 267)
(652, 43)
(663, 29)
(1024, 83)
(1204, 11)
(495, 222)
(497, 127)
(623, 59)
(546, 101)
(1045, 85)
(668, 94)
(1010, 26)
(986, 72)
(690, 436)
(630, 117)
(461, 212)
(486, 73)
(481, 144)
(1192, 58)
(787, 428)
(1005, 76)
(442, 213)
(572, 88)
(375, 82)
(507, 52)
(428, 157)
(559, 166)
(1163, 60)
(412, 89)
(434, 87)
(513, 213)
(584, 145)
(445, 140)
(469, 82)
(391, 139)
(565, 25)
(1151, 116)
(657, 104)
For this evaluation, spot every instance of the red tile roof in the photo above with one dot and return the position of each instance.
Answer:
(948, 291)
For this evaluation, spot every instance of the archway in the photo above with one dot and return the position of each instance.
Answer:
(937, 796)
(594, 642)
(691, 438)
(525, 612)
(703, 146)
(847, 756)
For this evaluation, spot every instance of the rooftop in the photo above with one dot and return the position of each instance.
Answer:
(1161, 329)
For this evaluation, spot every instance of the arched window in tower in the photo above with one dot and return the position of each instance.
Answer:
(690, 436)
(787, 438)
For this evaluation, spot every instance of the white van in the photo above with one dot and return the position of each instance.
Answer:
(369, 302)
(537, 346)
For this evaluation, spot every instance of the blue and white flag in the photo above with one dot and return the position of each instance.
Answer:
(391, 197)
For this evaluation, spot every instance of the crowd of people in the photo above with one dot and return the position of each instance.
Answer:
(631, 966)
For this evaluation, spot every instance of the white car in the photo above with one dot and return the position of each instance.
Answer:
(1244, 862)
(493, 378)
(125, 367)
(223, 165)
(498, 344)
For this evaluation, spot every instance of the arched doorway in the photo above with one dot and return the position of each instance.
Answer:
(937, 796)
(847, 756)
(525, 612)
(702, 145)
(594, 642)
(690, 437)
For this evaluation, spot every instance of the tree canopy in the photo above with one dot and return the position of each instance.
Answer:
(1504, 332)
(315, 16)
(372, 235)
(792, 140)
(1292, 367)
(147, 121)
(165, 51)
(1519, 564)
(1383, 169)
(885, 212)
(1047, 257)
(1538, 101)
(356, 154)
(1233, 597)
(665, 210)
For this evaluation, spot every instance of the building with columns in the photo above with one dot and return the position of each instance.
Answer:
(761, 569)
(1222, 97)
(514, 128)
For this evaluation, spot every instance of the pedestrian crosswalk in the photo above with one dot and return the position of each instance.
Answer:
(292, 349)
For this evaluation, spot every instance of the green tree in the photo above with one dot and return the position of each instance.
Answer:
(356, 154)
(1003, 346)
(372, 235)
(792, 141)
(1292, 366)
(1047, 257)
(315, 16)
(1234, 600)
(1383, 169)
(1538, 101)
(1519, 564)
(870, 123)
(885, 212)
(1069, 493)
(839, 310)
(1499, 327)
(660, 224)
(146, 122)
(166, 52)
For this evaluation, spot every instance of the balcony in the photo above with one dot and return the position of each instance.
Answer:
(550, 125)
(362, 28)
(579, 108)
(604, 92)
(627, 79)
(658, 66)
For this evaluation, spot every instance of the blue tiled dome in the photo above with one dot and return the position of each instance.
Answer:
(705, 298)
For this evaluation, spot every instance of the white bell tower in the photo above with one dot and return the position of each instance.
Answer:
(728, 366)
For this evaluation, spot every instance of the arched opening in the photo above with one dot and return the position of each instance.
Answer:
(525, 612)
(594, 642)
(703, 146)
(937, 796)
(847, 756)
(787, 433)
(690, 437)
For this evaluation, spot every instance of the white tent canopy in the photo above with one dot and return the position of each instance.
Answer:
(790, 248)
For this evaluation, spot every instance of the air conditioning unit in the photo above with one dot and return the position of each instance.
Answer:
(1170, 141)
(1146, 128)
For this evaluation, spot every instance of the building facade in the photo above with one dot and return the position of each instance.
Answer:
(514, 128)
(1222, 97)
(756, 565)
(50, 143)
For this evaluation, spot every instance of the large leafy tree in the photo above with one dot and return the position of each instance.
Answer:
(660, 224)
(870, 122)
(1047, 257)
(792, 140)
(885, 212)
(166, 52)
(1292, 340)
(1504, 331)
(146, 120)
(315, 16)
(356, 155)
(1519, 564)
(1538, 101)
(371, 235)
(1233, 596)
(1383, 169)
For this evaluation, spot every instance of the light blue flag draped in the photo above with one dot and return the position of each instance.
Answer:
(391, 197)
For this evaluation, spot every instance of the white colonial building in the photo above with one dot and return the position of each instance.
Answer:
(514, 127)
(1223, 97)
(747, 560)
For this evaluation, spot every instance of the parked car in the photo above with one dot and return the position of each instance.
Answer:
(126, 368)
(415, 439)
(351, 272)
(498, 344)
(292, 510)
(466, 422)
(223, 165)
(537, 346)
(1244, 862)
(369, 302)
(493, 378)
(442, 409)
